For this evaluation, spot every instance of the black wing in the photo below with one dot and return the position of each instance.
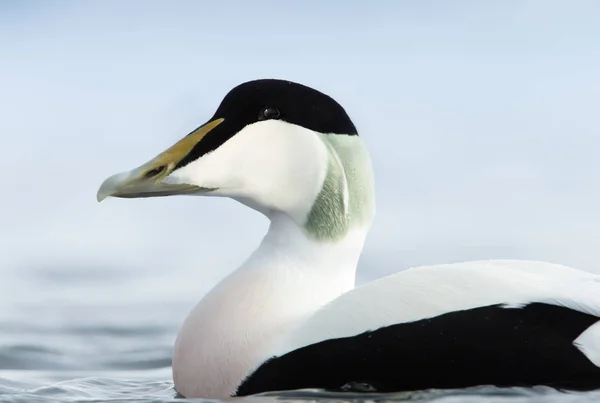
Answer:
(490, 345)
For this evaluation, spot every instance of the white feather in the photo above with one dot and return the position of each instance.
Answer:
(237, 324)
(424, 292)
(289, 276)
(268, 166)
(589, 343)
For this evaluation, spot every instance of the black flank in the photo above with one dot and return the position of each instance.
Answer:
(483, 346)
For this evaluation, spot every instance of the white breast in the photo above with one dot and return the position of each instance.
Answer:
(236, 326)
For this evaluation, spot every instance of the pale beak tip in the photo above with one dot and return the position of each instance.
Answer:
(101, 196)
(109, 187)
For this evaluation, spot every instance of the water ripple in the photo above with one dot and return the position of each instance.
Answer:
(91, 390)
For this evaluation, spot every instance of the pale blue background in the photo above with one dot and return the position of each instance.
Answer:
(482, 119)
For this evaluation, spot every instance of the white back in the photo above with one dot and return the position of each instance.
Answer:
(427, 291)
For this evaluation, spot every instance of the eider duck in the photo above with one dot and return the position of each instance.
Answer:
(291, 316)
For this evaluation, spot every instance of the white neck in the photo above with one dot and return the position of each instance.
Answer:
(301, 265)
(237, 323)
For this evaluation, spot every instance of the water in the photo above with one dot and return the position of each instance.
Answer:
(74, 333)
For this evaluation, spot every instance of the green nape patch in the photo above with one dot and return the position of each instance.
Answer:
(348, 166)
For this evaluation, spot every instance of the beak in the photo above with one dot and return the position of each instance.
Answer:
(147, 179)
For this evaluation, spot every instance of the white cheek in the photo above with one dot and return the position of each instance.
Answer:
(274, 164)
(212, 170)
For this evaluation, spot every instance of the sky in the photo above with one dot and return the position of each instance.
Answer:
(481, 118)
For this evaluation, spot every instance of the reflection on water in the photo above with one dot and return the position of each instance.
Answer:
(122, 389)
(71, 336)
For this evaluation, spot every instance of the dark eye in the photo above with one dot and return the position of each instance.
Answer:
(269, 113)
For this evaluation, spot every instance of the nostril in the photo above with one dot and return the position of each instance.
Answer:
(153, 172)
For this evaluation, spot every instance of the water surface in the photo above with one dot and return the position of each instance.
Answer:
(74, 333)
